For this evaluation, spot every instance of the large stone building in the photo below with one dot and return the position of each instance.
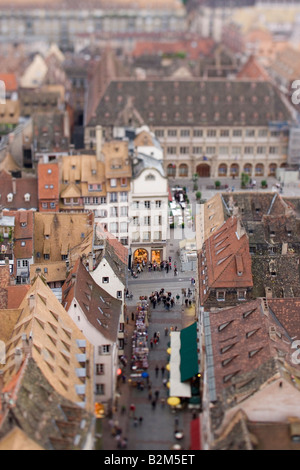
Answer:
(214, 127)
(30, 22)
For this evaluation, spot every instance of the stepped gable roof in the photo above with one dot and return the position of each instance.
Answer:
(101, 309)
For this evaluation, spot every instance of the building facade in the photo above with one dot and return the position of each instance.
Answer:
(215, 128)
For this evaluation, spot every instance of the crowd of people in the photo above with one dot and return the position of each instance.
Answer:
(163, 266)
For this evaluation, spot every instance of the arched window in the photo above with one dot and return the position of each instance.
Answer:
(272, 169)
(259, 169)
(171, 170)
(248, 169)
(222, 170)
(183, 170)
(234, 170)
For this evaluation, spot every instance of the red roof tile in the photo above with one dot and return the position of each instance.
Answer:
(10, 81)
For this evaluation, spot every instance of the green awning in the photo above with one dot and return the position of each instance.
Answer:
(188, 353)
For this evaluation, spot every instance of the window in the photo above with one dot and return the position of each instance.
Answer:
(113, 183)
(172, 133)
(105, 280)
(147, 220)
(114, 212)
(210, 150)
(237, 133)
(184, 133)
(113, 197)
(114, 227)
(262, 133)
(123, 227)
(249, 150)
(221, 295)
(211, 133)
(261, 150)
(46, 256)
(223, 150)
(123, 181)
(124, 196)
(23, 243)
(224, 133)
(198, 132)
(44, 205)
(147, 204)
(99, 369)
(136, 221)
(135, 205)
(171, 150)
(273, 150)
(105, 349)
(241, 295)
(158, 220)
(157, 204)
(197, 150)
(124, 211)
(119, 294)
(100, 389)
(184, 150)
(52, 205)
(146, 236)
(250, 133)
(236, 150)
(159, 133)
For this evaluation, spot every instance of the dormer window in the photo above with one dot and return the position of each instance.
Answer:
(10, 197)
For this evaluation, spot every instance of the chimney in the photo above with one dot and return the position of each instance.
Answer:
(99, 143)
(14, 186)
(31, 301)
(18, 358)
(91, 262)
(26, 344)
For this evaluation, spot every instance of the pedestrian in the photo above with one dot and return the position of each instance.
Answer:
(151, 342)
(155, 341)
(141, 420)
(153, 404)
(150, 395)
(176, 422)
(165, 382)
(132, 410)
(154, 336)
(127, 319)
(156, 371)
(132, 316)
(124, 443)
(156, 394)
(162, 370)
(135, 422)
(166, 331)
(186, 302)
(158, 335)
(162, 401)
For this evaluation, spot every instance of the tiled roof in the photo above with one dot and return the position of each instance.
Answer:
(287, 311)
(55, 344)
(63, 232)
(10, 81)
(170, 5)
(64, 426)
(24, 186)
(225, 261)
(101, 309)
(48, 175)
(194, 102)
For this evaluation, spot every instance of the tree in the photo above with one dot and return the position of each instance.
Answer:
(244, 180)
(217, 184)
(198, 195)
